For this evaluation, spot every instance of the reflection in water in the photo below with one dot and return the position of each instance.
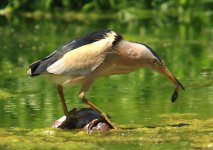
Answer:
(138, 97)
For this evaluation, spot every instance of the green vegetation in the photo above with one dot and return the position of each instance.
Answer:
(196, 134)
(107, 6)
(179, 10)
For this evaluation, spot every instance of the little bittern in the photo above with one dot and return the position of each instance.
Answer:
(97, 54)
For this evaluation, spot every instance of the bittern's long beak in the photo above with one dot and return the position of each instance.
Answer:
(166, 72)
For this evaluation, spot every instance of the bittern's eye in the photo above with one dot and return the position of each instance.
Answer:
(155, 61)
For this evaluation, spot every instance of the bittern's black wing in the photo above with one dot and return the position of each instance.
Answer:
(79, 56)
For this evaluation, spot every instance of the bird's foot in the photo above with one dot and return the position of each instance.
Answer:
(95, 108)
(108, 121)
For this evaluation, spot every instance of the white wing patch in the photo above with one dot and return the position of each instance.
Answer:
(85, 59)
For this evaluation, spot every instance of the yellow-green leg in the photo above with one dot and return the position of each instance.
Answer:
(61, 95)
(102, 114)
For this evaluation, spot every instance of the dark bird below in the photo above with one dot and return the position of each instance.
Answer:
(97, 54)
(82, 118)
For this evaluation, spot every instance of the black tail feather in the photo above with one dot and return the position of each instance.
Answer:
(32, 68)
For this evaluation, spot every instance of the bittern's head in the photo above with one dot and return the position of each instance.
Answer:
(149, 58)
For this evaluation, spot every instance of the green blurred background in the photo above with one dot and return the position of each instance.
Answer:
(180, 31)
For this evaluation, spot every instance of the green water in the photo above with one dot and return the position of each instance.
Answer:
(139, 100)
